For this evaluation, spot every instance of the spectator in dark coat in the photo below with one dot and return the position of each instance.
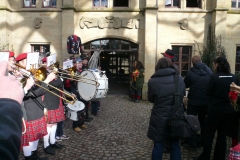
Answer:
(161, 90)
(196, 80)
(220, 110)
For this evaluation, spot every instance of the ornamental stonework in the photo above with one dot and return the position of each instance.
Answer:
(109, 22)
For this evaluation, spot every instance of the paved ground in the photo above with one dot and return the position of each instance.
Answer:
(118, 132)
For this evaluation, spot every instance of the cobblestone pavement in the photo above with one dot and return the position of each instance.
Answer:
(118, 132)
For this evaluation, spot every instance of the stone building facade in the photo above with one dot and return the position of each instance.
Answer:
(141, 29)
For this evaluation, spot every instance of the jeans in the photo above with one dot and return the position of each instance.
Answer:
(218, 119)
(175, 151)
(59, 131)
(95, 106)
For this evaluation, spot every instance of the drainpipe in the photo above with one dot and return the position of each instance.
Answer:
(156, 33)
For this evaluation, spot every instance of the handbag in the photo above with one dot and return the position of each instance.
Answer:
(181, 124)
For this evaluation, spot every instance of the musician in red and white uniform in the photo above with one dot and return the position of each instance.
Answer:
(35, 121)
(55, 113)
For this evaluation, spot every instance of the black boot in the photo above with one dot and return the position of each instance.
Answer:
(57, 145)
(36, 157)
(49, 150)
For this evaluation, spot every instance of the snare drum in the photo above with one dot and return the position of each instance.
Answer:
(92, 91)
(73, 109)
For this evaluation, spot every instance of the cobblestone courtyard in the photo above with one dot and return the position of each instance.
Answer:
(118, 132)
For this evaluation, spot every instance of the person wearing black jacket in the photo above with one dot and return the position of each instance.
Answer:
(55, 114)
(196, 80)
(161, 89)
(11, 115)
(35, 120)
(220, 110)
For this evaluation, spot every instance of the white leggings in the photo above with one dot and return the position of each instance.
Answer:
(51, 129)
(27, 150)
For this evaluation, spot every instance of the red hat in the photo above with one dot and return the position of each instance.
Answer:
(44, 59)
(21, 57)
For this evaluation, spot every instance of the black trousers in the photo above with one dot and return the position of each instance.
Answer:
(201, 112)
(218, 119)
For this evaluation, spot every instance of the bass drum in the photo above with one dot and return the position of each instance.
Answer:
(87, 88)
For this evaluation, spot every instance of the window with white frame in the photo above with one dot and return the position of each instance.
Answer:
(236, 4)
(100, 3)
(172, 3)
(29, 3)
(120, 3)
(237, 63)
(49, 3)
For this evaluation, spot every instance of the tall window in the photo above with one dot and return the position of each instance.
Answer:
(172, 3)
(237, 64)
(183, 54)
(236, 4)
(29, 3)
(120, 3)
(49, 3)
(100, 3)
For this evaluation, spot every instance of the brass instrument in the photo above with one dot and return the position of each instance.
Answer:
(40, 75)
(71, 72)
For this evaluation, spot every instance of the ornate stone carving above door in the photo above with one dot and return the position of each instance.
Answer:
(109, 22)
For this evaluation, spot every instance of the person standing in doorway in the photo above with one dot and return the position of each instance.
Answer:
(137, 81)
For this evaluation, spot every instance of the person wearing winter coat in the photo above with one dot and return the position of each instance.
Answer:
(220, 111)
(196, 80)
(161, 89)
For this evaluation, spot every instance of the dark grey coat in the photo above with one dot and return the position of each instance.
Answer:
(161, 90)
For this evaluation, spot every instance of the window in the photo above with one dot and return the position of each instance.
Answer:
(235, 3)
(172, 3)
(183, 54)
(29, 3)
(194, 3)
(49, 3)
(120, 3)
(100, 3)
(237, 64)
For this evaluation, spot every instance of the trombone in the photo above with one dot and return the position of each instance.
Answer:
(71, 72)
(40, 75)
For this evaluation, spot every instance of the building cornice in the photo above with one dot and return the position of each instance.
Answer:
(5, 8)
(233, 12)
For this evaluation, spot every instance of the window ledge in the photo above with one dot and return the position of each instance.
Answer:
(187, 10)
(234, 11)
(37, 10)
(102, 9)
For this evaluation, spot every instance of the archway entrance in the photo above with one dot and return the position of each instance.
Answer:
(116, 59)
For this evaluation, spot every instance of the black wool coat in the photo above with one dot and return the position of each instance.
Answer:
(161, 90)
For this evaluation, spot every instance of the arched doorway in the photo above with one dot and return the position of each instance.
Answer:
(116, 59)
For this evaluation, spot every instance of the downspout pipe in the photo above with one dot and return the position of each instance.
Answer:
(156, 33)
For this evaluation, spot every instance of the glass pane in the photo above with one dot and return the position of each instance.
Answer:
(95, 44)
(237, 68)
(234, 4)
(86, 46)
(238, 57)
(105, 44)
(176, 3)
(96, 2)
(168, 3)
(185, 58)
(115, 44)
(238, 4)
(185, 66)
(54, 3)
(126, 70)
(104, 3)
(120, 3)
(134, 46)
(125, 45)
(125, 62)
(114, 71)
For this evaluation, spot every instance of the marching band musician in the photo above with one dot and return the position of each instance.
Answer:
(137, 81)
(55, 113)
(71, 86)
(35, 121)
(87, 103)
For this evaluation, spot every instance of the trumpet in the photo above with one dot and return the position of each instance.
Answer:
(72, 73)
(39, 75)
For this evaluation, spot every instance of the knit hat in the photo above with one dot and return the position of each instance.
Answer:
(170, 54)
